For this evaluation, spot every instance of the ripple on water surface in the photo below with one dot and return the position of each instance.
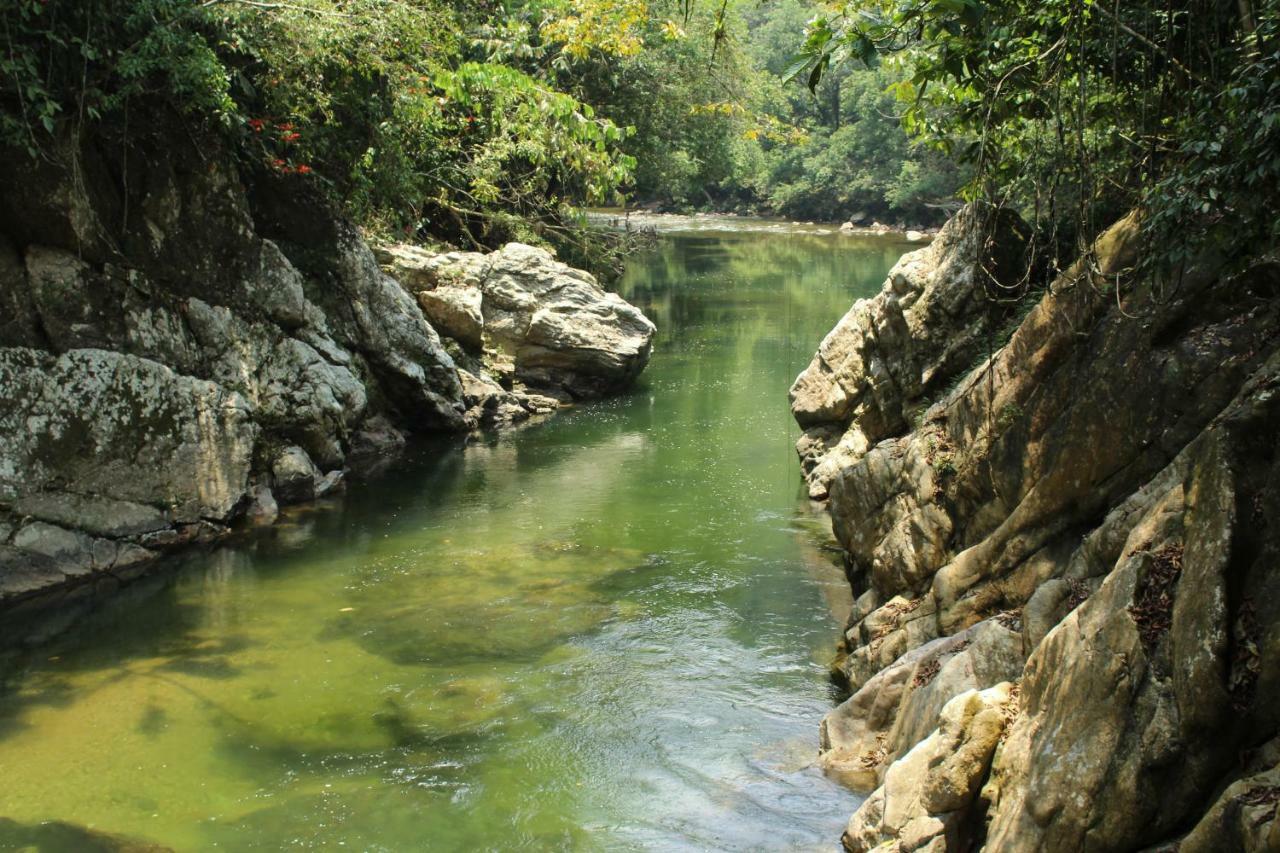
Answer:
(608, 631)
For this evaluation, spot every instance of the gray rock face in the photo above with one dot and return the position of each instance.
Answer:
(104, 455)
(529, 317)
(144, 367)
(160, 343)
(378, 319)
(121, 428)
(1112, 535)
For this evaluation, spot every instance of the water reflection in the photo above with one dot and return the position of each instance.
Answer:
(608, 630)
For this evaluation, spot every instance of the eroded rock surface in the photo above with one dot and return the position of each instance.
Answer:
(898, 706)
(927, 797)
(1098, 499)
(876, 369)
(528, 318)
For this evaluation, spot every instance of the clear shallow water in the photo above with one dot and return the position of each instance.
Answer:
(607, 631)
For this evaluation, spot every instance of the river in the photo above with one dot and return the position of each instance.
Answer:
(609, 630)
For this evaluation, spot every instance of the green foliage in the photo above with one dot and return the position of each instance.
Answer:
(865, 163)
(678, 80)
(67, 60)
(854, 151)
(1009, 415)
(1075, 112)
(376, 99)
(473, 123)
(715, 127)
(1222, 184)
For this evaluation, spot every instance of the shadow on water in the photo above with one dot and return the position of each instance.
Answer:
(61, 837)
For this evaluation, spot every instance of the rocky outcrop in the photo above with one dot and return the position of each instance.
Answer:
(528, 318)
(899, 705)
(926, 801)
(184, 345)
(1097, 500)
(876, 370)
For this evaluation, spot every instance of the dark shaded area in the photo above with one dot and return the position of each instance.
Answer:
(62, 837)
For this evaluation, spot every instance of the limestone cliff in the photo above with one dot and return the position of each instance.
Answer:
(1068, 614)
(185, 342)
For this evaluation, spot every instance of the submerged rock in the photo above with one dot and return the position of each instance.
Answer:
(1111, 534)
(57, 835)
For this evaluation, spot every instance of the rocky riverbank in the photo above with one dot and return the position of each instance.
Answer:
(185, 346)
(1068, 607)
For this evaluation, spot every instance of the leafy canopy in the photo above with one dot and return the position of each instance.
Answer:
(1078, 111)
(382, 101)
(714, 125)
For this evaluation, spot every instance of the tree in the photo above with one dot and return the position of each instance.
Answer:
(1076, 112)
(375, 100)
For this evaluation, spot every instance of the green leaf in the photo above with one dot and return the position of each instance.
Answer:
(815, 76)
(796, 66)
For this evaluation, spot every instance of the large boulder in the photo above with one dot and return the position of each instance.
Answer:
(530, 318)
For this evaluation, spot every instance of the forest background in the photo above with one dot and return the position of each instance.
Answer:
(474, 123)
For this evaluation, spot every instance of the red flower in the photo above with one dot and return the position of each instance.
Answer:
(291, 137)
(288, 125)
(256, 124)
(304, 169)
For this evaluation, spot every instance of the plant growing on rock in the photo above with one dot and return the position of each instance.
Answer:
(377, 100)
(1009, 414)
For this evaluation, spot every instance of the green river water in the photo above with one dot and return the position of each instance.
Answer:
(606, 631)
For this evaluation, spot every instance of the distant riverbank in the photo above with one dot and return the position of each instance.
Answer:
(729, 222)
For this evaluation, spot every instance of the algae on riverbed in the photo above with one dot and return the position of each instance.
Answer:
(608, 630)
